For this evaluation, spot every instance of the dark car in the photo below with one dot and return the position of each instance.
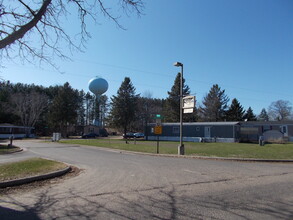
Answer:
(139, 135)
(90, 135)
(128, 135)
(103, 132)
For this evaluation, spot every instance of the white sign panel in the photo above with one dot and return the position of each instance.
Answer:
(188, 102)
(188, 110)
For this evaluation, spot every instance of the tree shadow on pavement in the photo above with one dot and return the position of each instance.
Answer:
(8, 213)
(168, 202)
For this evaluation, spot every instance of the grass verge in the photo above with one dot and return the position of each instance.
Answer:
(4, 149)
(30, 167)
(234, 150)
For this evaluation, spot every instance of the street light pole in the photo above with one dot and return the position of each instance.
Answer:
(181, 146)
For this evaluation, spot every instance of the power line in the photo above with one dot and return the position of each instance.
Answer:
(189, 79)
(153, 73)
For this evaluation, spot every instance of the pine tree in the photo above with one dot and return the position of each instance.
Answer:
(6, 115)
(124, 106)
(263, 116)
(235, 111)
(172, 103)
(147, 108)
(81, 109)
(64, 108)
(89, 108)
(214, 104)
(100, 108)
(249, 115)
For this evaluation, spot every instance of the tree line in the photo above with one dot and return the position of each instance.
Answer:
(58, 108)
(48, 109)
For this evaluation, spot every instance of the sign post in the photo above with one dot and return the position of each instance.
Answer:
(158, 144)
(158, 130)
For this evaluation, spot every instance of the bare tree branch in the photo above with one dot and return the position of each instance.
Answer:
(25, 28)
(29, 106)
(28, 8)
(21, 19)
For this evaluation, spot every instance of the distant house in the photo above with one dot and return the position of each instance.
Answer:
(91, 129)
(198, 131)
(9, 130)
(251, 130)
(222, 131)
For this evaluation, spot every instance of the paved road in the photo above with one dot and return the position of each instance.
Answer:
(116, 185)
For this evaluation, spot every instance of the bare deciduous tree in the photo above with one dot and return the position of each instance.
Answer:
(29, 106)
(280, 110)
(19, 20)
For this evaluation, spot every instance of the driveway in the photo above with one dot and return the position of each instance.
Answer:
(117, 185)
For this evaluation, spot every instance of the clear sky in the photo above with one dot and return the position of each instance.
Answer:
(244, 46)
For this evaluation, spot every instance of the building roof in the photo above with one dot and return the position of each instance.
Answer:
(220, 123)
(266, 122)
(6, 124)
(13, 126)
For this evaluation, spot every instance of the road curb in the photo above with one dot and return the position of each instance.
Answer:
(197, 157)
(213, 158)
(26, 180)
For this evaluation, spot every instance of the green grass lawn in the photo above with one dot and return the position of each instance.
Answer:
(236, 150)
(31, 167)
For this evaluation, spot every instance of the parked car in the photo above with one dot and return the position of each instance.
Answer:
(139, 135)
(90, 135)
(103, 132)
(128, 135)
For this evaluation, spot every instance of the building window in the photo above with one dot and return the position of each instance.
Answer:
(176, 130)
(266, 128)
(197, 128)
(284, 129)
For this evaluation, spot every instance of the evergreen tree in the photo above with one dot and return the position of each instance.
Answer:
(124, 106)
(263, 116)
(6, 115)
(81, 109)
(249, 115)
(147, 108)
(100, 108)
(172, 103)
(64, 108)
(235, 111)
(89, 108)
(214, 104)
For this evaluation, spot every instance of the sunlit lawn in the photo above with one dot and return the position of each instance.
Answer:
(236, 150)
(30, 167)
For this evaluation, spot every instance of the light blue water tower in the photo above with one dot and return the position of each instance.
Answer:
(98, 86)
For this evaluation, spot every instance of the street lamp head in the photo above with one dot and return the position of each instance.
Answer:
(178, 64)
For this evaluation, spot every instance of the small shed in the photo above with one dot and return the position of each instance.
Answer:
(91, 129)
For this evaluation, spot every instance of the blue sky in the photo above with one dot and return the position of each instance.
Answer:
(244, 46)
